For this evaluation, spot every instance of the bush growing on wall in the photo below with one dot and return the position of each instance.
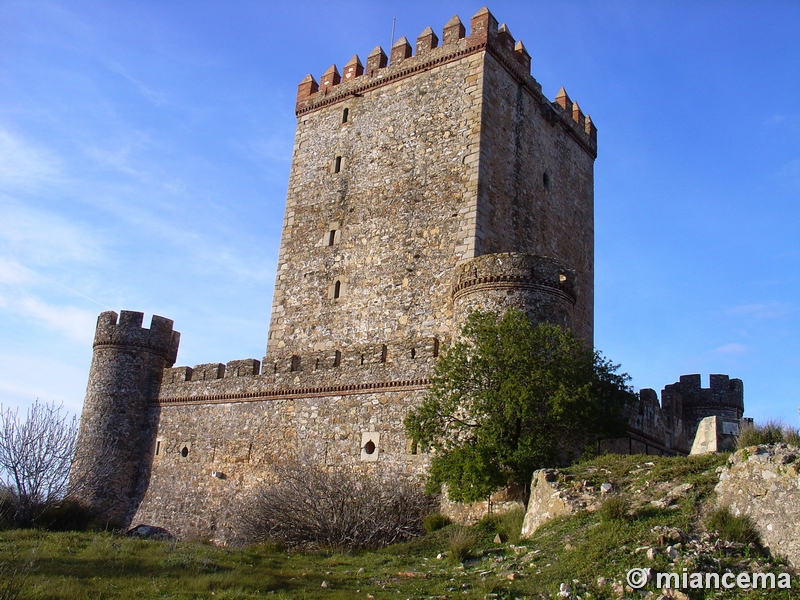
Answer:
(310, 507)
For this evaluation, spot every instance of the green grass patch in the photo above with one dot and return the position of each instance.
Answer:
(583, 546)
(733, 528)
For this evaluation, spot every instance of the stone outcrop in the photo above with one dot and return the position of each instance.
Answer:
(554, 494)
(763, 482)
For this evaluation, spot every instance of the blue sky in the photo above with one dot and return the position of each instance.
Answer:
(145, 151)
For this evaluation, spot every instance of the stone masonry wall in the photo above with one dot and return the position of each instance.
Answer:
(536, 191)
(401, 171)
(396, 210)
(496, 282)
(208, 457)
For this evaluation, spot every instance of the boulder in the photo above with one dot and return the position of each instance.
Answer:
(150, 532)
(763, 482)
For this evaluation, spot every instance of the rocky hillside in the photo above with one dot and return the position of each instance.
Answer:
(588, 525)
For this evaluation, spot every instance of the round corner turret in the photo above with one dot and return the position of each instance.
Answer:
(118, 427)
(539, 285)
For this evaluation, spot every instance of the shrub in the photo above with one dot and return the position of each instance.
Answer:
(313, 508)
(507, 524)
(461, 542)
(732, 528)
(67, 515)
(435, 522)
(773, 431)
(615, 508)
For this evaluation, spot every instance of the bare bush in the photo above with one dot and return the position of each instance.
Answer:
(35, 458)
(312, 508)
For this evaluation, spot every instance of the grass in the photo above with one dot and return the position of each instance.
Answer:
(769, 432)
(435, 521)
(461, 542)
(615, 508)
(68, 565)
(733, 528)
(507, 525)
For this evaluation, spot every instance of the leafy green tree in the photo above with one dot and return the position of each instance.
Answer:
(508, 398)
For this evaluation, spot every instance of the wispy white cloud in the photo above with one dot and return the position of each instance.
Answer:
(275, 149)
(731, 349)
(11, 272)
(42, 237)
(22, 381)
(791, 170)
(74, 323)
(23, 164)
(156, 97)
(790, 121)
(763, 310)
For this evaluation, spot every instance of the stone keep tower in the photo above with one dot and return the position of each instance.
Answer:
(424, 184)
(117, 430)
(428, 184)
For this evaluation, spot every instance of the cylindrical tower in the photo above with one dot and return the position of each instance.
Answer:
(117, 431)
(496, 282)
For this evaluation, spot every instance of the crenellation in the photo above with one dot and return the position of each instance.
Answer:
(522, 56)
(426, 41)
(176, 375)
(453, 31)
(485, 36)
(159, 338)
(329, 78)
(562, 100)
(401, 50)
(590, 129)
(208, 371)
(242, 368)
(483, 25)
(353, 68)
(307, 87)
(376, 60)
(505, 40)
(577, 116)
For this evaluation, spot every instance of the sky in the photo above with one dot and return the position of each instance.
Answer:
(145, 149)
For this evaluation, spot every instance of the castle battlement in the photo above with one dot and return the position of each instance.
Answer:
(402, 62)
(364, 362)
(724, 398)
(128, 332)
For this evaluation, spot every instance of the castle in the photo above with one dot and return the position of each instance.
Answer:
(424, 184)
